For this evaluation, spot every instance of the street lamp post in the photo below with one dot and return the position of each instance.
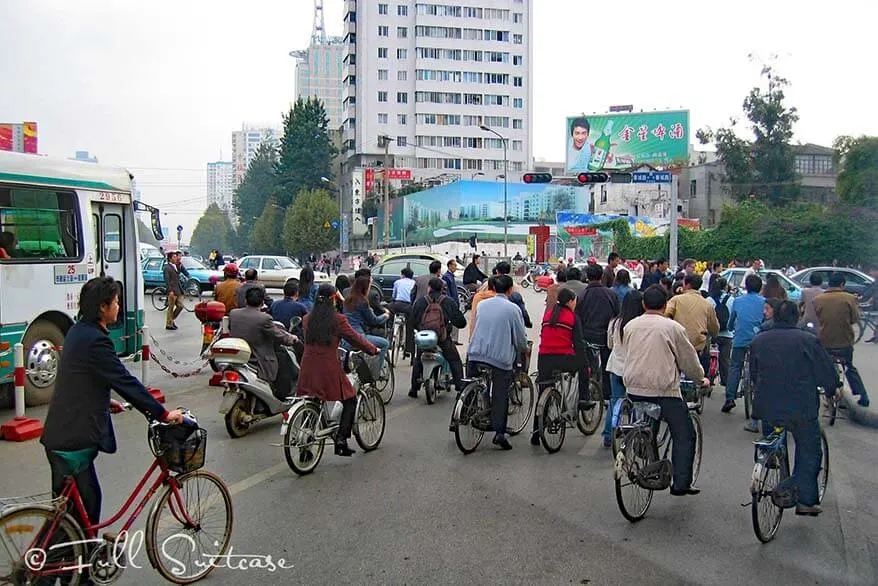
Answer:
(505, 189)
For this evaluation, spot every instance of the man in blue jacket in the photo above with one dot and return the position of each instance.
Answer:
(451, 284)
(745, 319)
(787, 364)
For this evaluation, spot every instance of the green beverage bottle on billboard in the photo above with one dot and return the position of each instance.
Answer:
(601, 149)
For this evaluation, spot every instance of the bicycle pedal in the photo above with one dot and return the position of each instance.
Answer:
(110, 537)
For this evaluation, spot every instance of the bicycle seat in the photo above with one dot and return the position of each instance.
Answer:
(77, 460)
(483, 370)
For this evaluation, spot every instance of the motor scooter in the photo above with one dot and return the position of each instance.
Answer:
(436, 370)
(247, 398)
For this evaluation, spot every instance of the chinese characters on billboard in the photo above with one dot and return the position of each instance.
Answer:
(621, 141)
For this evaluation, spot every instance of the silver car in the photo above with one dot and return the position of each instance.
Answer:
(275, 271)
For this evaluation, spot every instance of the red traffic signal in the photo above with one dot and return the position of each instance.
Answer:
(537, 178)
(593, 178)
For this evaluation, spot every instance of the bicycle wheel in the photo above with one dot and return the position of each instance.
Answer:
(430, 390)
(823, 476)
(553, 426)
(635, 454)
(861, 329)
(765, 514)
(302, 449)
(625, 418)
(466, 436)
(589, 420)
(386, 383)
(178, 549)
(191, 295)
(160, 298)
(747, 389)
(521, 400)
(699, 445)
(370, 420)
(23, 561)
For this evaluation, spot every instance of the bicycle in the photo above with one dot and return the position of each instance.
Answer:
(831, 402)
(191, 296)
(385, 381)
(771, 468)
(55, 532)
(558, 408)
(471, 416)
(396, 352)
(867, 320)
(638, 471)
(310, 421)
(747, 389)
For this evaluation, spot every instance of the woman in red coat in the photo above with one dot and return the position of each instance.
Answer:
(321, 374)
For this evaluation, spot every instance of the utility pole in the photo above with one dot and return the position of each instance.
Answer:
(386, 195)
(674, 229)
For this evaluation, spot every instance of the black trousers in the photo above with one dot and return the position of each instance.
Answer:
(675, 412)
(405, 309)
(501, 381)
(449, 351)
(348, 412)
(286, 374)
(605, 376)
(86, 481)
(725, 354)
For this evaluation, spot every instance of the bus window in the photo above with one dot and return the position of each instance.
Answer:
(44, 222)
(112, 242)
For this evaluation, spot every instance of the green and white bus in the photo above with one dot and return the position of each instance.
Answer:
(71, 221)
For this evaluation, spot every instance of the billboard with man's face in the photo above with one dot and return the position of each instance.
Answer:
(621, 141)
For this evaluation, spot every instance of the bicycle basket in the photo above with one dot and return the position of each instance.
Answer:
(689, 390)
(655, 475)
(182, 449)
(366, 367)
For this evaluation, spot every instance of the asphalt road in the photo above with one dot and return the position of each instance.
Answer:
(417, 511)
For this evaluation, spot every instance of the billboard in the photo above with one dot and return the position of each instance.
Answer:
(621, 141)
(30, 137)
(6, 143)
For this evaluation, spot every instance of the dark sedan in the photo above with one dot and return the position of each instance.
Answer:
(385, 273)
(855, 281)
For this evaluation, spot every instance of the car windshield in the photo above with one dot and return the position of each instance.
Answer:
(286, 263)
(190, 263)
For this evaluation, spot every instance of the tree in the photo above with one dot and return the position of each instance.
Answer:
(304, 224)
(213, 230)
(306, 151)
(255, 190)
(857, 181)
(266, 234)
(764, 167)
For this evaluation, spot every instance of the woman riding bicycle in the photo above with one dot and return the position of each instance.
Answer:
(78, 423)
(562, 345)
(632, 307)
(322, 375)
(360, 315)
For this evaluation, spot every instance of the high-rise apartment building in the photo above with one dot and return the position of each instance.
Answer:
(244, 145)
(319, 72)
(221, 186)
(429, 76)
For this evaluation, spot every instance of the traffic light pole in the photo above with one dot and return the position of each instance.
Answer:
(674, 228)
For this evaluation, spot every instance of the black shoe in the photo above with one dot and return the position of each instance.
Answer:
(686, 491)
(808, 510)
(728, 406)
(413, 394)
(500, 440)
(535, 438)
(172, 327)
(342, 449)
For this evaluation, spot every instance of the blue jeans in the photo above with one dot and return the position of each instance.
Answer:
(735, 367)
(618, 392)
(809, 454)
(382, 344)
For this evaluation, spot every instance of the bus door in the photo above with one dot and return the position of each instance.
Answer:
(109, 257)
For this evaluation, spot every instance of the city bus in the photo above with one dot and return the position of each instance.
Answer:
(64, 223)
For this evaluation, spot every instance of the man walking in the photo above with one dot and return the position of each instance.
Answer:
(696, 315)
(744, 321)
(451, 287)
(171, 273)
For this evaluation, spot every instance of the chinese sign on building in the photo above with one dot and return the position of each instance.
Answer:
(621, 141)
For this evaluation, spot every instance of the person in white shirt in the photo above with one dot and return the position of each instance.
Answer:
(401, 303)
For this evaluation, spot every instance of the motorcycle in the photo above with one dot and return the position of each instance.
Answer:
(532, 278)
(247, 398)
(436, 370)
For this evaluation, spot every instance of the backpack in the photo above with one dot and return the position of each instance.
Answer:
(434, 317)
(722, 312)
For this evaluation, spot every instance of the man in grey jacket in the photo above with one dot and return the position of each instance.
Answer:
(499, 338)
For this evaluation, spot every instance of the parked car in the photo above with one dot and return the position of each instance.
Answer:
(854, 281)
(153, 272)
(385, 273)
(275, 271)
(735, 278)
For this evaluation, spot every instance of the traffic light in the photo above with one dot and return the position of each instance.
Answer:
(473, 241)
(593, 178)
(537, 178)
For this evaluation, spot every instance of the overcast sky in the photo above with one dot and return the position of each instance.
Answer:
(159, 86)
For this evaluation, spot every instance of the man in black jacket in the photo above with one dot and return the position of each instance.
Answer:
(453, 317)
(473, 275)
(596, 306)
(787, 364)
(171, 273)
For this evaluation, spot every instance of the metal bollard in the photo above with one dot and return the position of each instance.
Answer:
(18, 377)
(145, 357)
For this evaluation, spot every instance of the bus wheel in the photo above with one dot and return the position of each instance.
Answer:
(41, 359)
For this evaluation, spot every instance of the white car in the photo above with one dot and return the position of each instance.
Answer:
(275, 271)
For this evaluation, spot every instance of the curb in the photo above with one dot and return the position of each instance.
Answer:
(860, 415)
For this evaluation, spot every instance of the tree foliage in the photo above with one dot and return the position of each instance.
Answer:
(255, 190)
(303, 229)
(857, 181)
(266, 231)
(306, 151)
(213, 230)
(765, 165)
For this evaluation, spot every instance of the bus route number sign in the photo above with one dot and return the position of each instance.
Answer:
(114, 197)
(70, 274)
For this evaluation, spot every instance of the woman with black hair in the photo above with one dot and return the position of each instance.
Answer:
(632, 306)
(307, 288)
(361, 315)
(773, 289)
(562, 345)
(322, 375)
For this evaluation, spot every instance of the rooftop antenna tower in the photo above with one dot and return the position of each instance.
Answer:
(318, 33)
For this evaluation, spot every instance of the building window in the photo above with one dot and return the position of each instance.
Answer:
(382, 75)
(517, 81)
(382, 52)
(382, 9)
(693, 190)
(402, 98)
(517, 145)
(401, 141)
(401, 119)
(517, 60)
(402, 10)
(517, 124)
(517, 39)
(517, 17)
(382, 118)
(401, 54)
(382, 96)
(402, 32)
(383, 31)
(402, 75)
(518, 102)
(603, 194)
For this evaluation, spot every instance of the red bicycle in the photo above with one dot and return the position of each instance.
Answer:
(189, 527)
